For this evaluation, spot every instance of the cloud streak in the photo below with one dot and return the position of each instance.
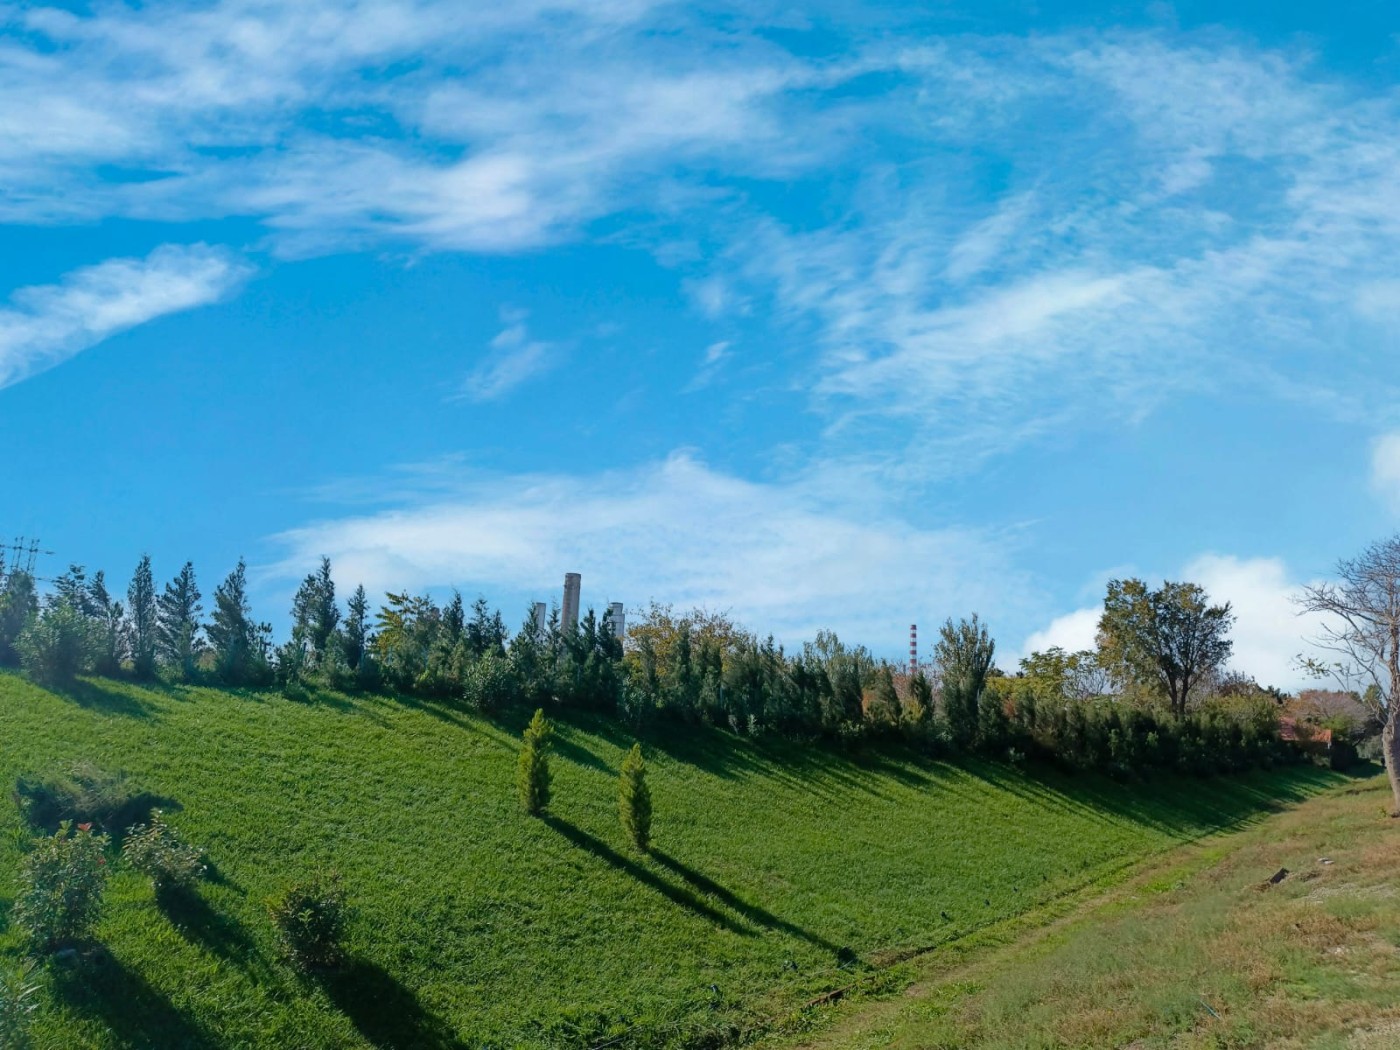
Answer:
(46, 325)
(783, 557)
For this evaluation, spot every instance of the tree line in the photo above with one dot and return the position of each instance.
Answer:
(1152, 693)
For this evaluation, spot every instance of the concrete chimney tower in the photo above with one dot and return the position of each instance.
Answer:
(617, 615)
(573, 585)
(541, 613)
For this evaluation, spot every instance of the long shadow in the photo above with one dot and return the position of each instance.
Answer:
(198, 922)
(95, 694)
(574, 752)
(385, 1012)
(680, 895)
(101, 986)
(752, 912)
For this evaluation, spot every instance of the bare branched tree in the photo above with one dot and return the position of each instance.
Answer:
(1361, 632)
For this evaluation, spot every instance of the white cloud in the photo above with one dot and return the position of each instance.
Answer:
(1385, 468)
(1071, 632)
(514, 359)
(1268, 633)
(47, 324)
(781, 556)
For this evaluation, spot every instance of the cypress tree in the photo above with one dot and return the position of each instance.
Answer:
(532, 770)
(141, 601)
(634, 799)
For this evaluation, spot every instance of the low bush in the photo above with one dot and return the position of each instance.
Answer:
(310, 918)
(157, 851)
(81, 794)
(57, 646)
(61, 884)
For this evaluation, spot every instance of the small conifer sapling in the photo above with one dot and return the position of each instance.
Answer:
(634, 799)
(532, 771)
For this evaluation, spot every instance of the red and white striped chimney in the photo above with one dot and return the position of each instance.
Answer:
(913, 649)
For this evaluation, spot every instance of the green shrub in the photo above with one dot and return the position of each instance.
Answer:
(532, 770)
(19, 997)
(81, 794)
(490, 683)
(634, 799)
(310, 918)
(157, 851)
(61, 884)
(57, 646)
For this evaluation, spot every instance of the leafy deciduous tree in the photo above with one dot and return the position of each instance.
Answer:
(1167, 640)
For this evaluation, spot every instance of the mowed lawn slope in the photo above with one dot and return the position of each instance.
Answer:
(1199, 951)
(476, 925)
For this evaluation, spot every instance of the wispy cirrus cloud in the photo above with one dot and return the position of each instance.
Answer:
(45, 325)
(513, 358)
(997, 238)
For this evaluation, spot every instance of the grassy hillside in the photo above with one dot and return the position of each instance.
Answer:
(1200, 950)
(475, 925)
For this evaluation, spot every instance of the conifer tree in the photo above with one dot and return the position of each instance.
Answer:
(314, 612)
(112, 632)
(141, 601)
(232, 633)
(353, 635)
(883, 709)
(918, 709)
(634, 799)
(177, 621)
(532, 770)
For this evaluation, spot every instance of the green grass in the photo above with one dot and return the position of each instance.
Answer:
(1199, 951)
(475, 925)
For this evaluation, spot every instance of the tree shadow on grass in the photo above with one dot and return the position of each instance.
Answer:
(104, 988)
(752, 912)
(1177, 804)
(384, 1011)
(200, 923)
(97, 694)
(682, 895)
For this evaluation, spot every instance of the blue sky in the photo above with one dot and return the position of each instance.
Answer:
(832, 315)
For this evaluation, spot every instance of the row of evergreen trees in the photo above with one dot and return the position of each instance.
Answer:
(699, 668)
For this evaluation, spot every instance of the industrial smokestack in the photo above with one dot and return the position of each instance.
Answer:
(913, 649)
(541, 617)
(573, 585)
(617, 616)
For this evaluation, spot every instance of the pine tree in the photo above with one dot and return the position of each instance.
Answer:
(314, 612)
(112, 632)
(634, 799)
(532, 770)
(141, 600)
(353, 636)
(232, 632)
(177, 622)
